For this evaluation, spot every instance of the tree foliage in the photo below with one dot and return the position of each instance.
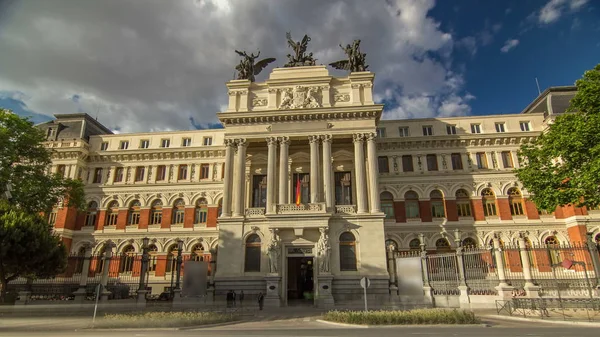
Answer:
(562, 166)
(24, 163)
(28, 247)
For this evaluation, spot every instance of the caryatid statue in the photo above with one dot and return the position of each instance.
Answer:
(247, 68)
(356, 60)
(273, 252)
(323, 251)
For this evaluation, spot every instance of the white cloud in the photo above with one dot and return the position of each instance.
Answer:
(554, 9)
(152, 67)
(509, 45)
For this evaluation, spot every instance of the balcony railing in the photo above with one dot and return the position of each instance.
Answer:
(256, 211)
(345, 209)
(301, 209)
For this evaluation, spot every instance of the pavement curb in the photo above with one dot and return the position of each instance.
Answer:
(191, 327)
(403, 325)
(523, 319)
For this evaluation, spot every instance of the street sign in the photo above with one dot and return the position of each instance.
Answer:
(365, 282)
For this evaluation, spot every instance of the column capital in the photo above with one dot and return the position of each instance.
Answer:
(241, 142)
(326, 138)
(229, 142)
(271, 141)
(370, 136)
(358, 137)
(285, 140)
(314, 138)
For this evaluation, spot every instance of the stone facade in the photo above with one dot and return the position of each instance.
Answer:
(365, 184)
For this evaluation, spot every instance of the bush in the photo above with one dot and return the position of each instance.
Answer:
(162, 319)
(418, 316)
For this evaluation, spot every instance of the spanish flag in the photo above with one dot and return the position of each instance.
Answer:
(298, 189)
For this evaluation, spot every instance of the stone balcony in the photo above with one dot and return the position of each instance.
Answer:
(345, 209)
(301, 209)
(306, 209)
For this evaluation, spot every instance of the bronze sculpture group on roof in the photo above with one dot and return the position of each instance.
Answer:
(247, 69)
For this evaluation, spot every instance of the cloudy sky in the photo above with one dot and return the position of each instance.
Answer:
(143, 65)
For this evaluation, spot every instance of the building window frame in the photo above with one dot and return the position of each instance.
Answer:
(432, 164)
(481, 159)
(515, 202)
(411, 205)
(104, 146)
(343, 188)
(144, 143)
(407, 163)
(489, 203)
(186, 142)
(156, 212)
(380, 132)
(140, 172)
(259, 190)
(475, 128)
(451, 129)
(404, 131)
(161, 172)
(387, 204)
(383, 164)
(456, 159)
(500, 127)
(204, 171)
(348, 254)
(507, 160)
(201, 211)
(178, 212)
(525, 126)
(182, 172)
(133, 216)
(123, 145)
(427, 130)
(463, 203)
(252, 253)
(165, 142)
(207, 141)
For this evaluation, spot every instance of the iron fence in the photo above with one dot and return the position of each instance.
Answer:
(481, 272)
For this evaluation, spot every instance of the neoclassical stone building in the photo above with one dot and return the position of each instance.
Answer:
(305, 186)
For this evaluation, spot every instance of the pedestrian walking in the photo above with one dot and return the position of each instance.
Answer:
(234, 297)
(241, 298)
(261, 300)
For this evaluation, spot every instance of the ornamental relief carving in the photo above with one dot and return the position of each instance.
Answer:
(300, 97)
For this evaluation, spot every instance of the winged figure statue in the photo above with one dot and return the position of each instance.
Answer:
(247, 68)
(356, 60)
(299, 58)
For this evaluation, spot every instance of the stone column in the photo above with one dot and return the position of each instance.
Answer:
(238, 209)
(328, 173)
(360, 172)
(531, 289)
(504, 290)
(373, 173)
(108, 257)
(85, 269)
(228, 181)
(515, 157)
(314, 168)
(466, 161)
(283, 169)
(272, 153)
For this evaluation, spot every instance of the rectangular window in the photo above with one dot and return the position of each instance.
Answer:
(382, 163)
(90, 219)
(134, 218)
(223, 171)
(259, 190)
(456, 161)
(464, 208)
(516, 207)
(207, 141)
(432, 162)
(123, 145)
(139, 173)
(161, 172)
(204, 171)
(427, 130)
(489, 208)
(165, 142)
(104, 146)
(475, 128)
(407, 163)
(403, 131)
(252, 258)
(451, 129)
(201, 214)
(144, 143)
(97, 175)
(499, 127)
(380, 132)
(52, 218)
(343, 188)
(186, 142)
(347, 256)
(178, 215)
(118, 175)
(481, 160)
(156, 217)
(182, 172)
(524, 126)
(304, 187)
(507, 159)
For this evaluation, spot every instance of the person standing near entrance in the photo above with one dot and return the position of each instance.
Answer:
(261, 300)
(234, 295)
(241, 298)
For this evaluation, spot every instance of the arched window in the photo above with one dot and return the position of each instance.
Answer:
(414, 244)
(91, 214)
(178, 211)
(553, 246)
(127, 258)
(411, 204)
(252, 258)
(347, 252)
(515, 201)
(134, 213)
(112, 213)
(172, 258)
(197, 252)
(201, 211)
(489, 202)
(469, 243)
(463, 203)
(152, 251)
(442, 244)
(387, 204)
(437, 204)
(391, 245)
(156, 212)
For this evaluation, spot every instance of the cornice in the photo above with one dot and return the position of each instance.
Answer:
(479, 140)
(158, 154)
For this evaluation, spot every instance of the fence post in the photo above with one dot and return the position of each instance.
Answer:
(177, 300)
(504, 290)
(142, 291)
(593, 250)
(462, 280)
(531, 289)
(85, 270)
(428, 296)
(108, 255)
(392, 270)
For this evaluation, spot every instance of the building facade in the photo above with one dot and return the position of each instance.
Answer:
(305, 188)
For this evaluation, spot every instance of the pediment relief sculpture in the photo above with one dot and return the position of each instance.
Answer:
(299, 97)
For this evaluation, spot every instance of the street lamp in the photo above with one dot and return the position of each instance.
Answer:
(144, 266)
(179, 251)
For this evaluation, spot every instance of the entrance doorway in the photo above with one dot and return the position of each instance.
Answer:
(300, 281)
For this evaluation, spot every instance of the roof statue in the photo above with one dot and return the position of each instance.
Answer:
(356, 59)
(247, 68)
(299, 59)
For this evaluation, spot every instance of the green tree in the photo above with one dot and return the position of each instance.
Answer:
(24, 163)
(562, 166)
(27, 247)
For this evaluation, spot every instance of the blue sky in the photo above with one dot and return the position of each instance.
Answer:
(163, 65)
